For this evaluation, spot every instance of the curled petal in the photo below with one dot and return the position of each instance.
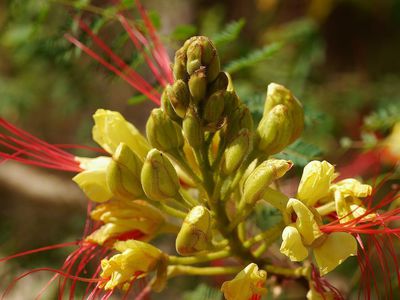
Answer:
(306, 223)
(292, 245)
(247, 283)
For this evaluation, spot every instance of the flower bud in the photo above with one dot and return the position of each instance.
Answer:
(135, 257)
(167, 106)
(179, 67)
(231, 102)
(192, 129)
(198, 85)
(220, 83)
(236, 151)
(195, 233)
(279, 95)
(179, 97)
(111, 129)
(162, 132)
(92, 180)
(315, 182)
(123, 174)
(159, 179)
(248, 284)
(262, 176)
(213, 110)
(275, 130)
(239, 119)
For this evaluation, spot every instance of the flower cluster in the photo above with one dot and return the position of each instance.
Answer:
(199, 174)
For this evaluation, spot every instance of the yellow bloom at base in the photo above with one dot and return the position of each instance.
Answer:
(92, 180)
(315, 181)
(121, 217)
(248, 282)
(111, 129)
(329, 250)
(135, 260)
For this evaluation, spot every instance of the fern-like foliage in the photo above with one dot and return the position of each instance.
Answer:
(254, 57)
(383, 118)
(229, 33)
(300, 152)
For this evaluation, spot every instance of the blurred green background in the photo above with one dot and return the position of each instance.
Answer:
(339, 57)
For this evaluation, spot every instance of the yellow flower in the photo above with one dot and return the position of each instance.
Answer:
(135, 260)
(329, 250)
(248, 282)
(315, 182)
(92, 180)
(111, 129)
(122, 219)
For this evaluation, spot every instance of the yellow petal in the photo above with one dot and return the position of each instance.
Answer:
(354, 188)
(315, 181)
(292, 245)
(111, 129)
(305, 222)
(337, 247)
(93, 184)
(248, 282)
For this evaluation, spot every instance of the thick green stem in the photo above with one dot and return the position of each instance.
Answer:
(188, 260)
(287, 272)
(205, 271)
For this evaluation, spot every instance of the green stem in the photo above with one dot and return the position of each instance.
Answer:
(205, 271)
(171, 211)
(189, 260)
(188, 198)
(268, 236)
(287, 272)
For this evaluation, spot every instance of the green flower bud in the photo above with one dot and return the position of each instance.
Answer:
(179, 97)
(213, 110)
(123, 174)
(179, 68)
(167, 106)
(279, 95)
(159, 179)
(262, 176)
(239, 119)
(195, 233)
(231, 103)
(192, 129)
(237, 151)
(213, 69)
(275, 130)
(162, 132)
(198, 85)
(220, 83)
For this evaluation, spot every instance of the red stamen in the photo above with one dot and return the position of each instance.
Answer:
(52, 247)
(137, 82)
(28, 149)
(49, 270)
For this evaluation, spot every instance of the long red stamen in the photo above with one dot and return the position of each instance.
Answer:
(162, 55)
(136, 82)
(29, 149)
(49, 270)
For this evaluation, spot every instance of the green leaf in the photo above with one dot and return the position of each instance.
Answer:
(137, 99)
(203, 292)
(300, 152)
(183, 32)
(267, 216)
(254, 57)
(229, 33)
(383, 119)
(256, 106)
